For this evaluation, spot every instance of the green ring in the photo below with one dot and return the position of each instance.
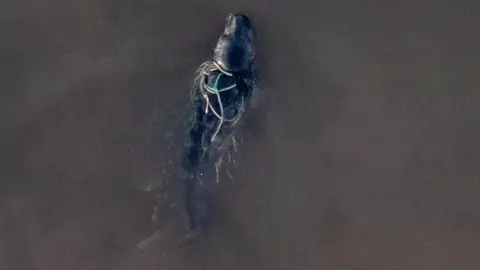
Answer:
(215, 85)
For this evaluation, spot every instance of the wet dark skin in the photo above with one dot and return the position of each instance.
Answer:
(233, 66)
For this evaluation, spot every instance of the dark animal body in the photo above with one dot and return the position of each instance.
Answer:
(221, 93)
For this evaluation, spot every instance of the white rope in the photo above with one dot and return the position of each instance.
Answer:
(209, 106)
(221, 69)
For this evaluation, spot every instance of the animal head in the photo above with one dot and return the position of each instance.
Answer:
(234, 51)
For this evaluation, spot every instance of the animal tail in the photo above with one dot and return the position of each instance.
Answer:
(196, 200)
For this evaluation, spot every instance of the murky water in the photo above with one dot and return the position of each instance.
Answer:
(362, 153)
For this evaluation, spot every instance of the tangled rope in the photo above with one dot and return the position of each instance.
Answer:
(206, 91)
